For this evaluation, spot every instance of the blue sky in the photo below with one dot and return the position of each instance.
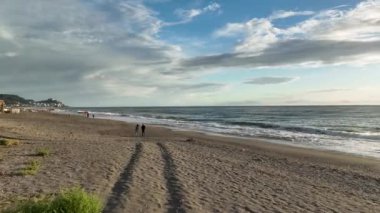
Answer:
(177, 52)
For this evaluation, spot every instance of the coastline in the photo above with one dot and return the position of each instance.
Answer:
(267, 145)
(299, 127)
(213, 173)
(258, 141)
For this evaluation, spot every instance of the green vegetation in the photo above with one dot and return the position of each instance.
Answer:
(31, 169)
(74, 200)
(9, 142)
(42, 152)
(17, 100)
(14, 99)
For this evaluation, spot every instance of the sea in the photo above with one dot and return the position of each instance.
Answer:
(350, 129)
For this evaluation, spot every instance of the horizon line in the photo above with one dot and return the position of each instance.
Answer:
(312, 105)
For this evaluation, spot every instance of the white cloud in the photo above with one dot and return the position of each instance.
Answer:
(259, 33)
(79, 45)
(358, 24)
(346, 36)
(361, 23)
(281, 14)
(188, 15)
(4, 34)
(212, 7)
(135, 14)
(111, 48)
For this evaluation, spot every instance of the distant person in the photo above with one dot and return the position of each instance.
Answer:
(137, 130)
(87, 114)
(142, 130)
(93, 115)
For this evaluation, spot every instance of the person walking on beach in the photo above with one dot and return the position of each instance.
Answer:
(142, 130)
(137, 130)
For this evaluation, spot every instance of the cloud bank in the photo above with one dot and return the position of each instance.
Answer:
(82, 51)
(100, 47)
(328, 37)
(293, 52)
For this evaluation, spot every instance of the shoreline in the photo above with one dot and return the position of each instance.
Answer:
(247, 139)
(280, 148)
(211, 173)
(366, 147)
(320, 154)
(264, 144)
(276, 142)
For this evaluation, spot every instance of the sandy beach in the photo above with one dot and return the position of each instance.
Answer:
(173, 171)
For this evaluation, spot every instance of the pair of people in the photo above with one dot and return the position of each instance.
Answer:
(142, 130)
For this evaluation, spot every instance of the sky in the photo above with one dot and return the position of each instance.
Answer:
(191, 52)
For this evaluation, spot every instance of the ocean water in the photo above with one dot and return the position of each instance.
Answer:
(352, 129)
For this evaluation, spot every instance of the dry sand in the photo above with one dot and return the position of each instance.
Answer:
(167, 172)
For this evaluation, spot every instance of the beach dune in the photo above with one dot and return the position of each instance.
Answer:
(173, 171)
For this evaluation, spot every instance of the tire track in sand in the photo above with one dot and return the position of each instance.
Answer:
(120, 190)
(176, 197)
(148, 193)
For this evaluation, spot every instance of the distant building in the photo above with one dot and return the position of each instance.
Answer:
(15, 110)
(2, 105)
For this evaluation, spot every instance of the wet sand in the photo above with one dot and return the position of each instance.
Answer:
(171, 171)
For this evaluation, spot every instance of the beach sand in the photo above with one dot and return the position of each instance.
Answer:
(173, 171)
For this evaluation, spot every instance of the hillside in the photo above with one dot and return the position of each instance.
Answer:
(12, 100)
